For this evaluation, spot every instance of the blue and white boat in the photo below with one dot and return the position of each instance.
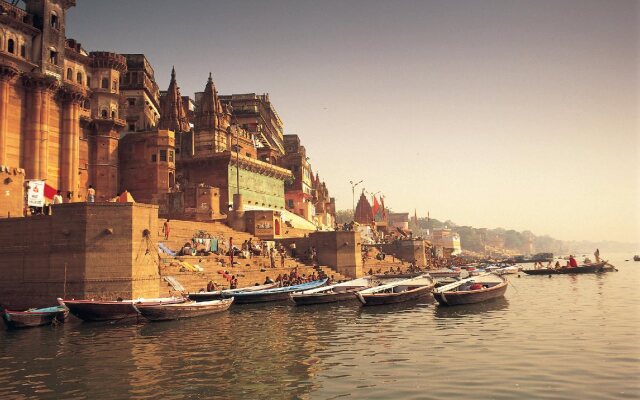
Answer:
(277, 294)
(34, 317)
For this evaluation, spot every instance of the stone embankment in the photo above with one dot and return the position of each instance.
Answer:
(247, 271)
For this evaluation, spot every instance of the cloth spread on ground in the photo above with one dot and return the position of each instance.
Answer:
(167, 250)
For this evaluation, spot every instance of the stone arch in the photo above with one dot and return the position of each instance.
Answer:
(11, 46)
(79, 77)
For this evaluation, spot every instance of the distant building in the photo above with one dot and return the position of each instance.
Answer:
(299, 191)
(399, 220)
(447, 239)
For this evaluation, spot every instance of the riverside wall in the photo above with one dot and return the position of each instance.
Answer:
(83, 250)
(336, 249)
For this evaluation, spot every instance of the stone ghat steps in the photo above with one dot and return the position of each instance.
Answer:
(247, 276)
(184, 231)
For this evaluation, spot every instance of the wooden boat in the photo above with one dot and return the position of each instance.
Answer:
(189, 309)
(277, 294)
(34, 317)
(397, 292)
(331, 294)
(457, 293)
(583, 269)
(94, 310)
(216, 295)
(449, 273)
(636, 258)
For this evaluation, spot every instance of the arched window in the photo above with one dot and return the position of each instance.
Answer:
(104, 114)
(113, 114)
(79, 78)
(88, 81)
(105, 83)
(54, 20)
(69, 74)
(11, 46)
(53, 57)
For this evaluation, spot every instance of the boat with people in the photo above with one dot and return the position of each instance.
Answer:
(332, 293)
(217, 294)
(581, 269)
(98, 310)
(397, 291)
(188, 309)
(34, 317)
(636, 258)
(472, 290)
(275, 294)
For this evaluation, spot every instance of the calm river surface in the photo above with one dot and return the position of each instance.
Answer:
(566, 337)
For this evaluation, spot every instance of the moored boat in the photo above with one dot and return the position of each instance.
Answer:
(397, 291)
(189, 309)
(472, 290)
(34, 317)
(636, 258)
(276, 294)
(332, 293)
(449, 273)
(95, 310)
(217, 294)
(582, 269)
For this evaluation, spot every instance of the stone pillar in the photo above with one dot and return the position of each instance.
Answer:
(36, 142)
(73, 96)
(7, 73)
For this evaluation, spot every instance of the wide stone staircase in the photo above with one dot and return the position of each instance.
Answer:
(248, 271)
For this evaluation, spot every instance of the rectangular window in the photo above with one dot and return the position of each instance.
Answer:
(163, 155)
(290, 202)
(170, 155)
(132, 127)
(153, 158)
(132, 102)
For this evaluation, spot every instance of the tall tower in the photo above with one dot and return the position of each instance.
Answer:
(103, 144)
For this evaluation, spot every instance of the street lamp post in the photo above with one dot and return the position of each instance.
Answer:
(353, 194)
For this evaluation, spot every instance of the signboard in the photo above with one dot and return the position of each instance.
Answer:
(35, 195)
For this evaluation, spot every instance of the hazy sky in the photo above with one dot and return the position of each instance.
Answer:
(514, 114)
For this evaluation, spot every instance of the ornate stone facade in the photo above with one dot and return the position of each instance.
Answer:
(59, 105)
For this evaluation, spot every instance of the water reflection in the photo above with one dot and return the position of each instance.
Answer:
(542, 340)
(462, 311)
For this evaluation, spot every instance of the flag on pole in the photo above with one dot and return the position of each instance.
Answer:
(384, 213)
(376, 206)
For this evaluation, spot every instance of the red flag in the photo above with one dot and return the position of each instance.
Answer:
(376, 206)
(49, 192)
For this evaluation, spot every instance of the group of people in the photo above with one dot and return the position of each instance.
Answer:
(293, 278)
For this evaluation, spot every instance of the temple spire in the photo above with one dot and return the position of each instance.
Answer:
(172, 113)
(210, 109)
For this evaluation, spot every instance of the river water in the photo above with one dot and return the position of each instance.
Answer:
(565, 337)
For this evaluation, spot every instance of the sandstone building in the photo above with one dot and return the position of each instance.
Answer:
(59, 105)
(76, 118)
